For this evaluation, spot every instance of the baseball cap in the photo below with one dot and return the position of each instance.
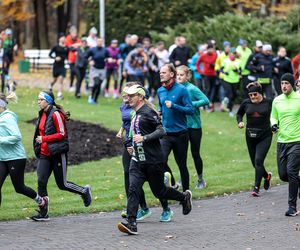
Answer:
(135, 89)
(226, 43)
(258, 43)
(242, 41)
(93, 30)
(267, 47)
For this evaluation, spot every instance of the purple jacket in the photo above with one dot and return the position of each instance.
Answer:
(115, 54)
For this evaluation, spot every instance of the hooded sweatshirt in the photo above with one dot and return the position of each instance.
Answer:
(11, 146)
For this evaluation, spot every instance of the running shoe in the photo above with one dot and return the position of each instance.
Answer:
(166, 215)
(201, 184)
(143, 213)
(255, 192)
(291, 212)
(167, 179)
(224, 104)
(231, 114)
(267, 182)
(40, 217)
(72, 89)
(87, 196)
(187, 202)
(128, 228)
(124, 214)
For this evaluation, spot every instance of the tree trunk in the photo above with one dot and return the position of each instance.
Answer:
(42, 24)
(29, 27)
(74, 14)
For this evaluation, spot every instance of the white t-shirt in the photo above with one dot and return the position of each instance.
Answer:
(1, 57)
(163, 57)
(91, 42)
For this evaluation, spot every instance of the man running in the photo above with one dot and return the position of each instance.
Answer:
(285, 119)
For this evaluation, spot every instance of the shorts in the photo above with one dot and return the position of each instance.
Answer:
(59, 71)
(101, 73)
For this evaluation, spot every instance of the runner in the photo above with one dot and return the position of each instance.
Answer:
(258, 132)
(285, 118)
(193, 121)
(59, 53)
(12, 152)
(146, 163)
(127, 114)
(51, 147)
(97, 57)
(175, 103)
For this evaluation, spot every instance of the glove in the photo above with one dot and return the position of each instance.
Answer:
(274, 128)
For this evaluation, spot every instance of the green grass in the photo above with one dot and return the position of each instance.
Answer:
(227, 165)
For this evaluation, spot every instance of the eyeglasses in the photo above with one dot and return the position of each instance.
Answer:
(253, 94)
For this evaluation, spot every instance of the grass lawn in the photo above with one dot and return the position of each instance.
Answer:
(227, 166)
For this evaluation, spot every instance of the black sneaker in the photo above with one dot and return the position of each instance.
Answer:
(291, 212)
(87, 196)
(44, 208)
(267, 182)
(40, 217)
(187, 202)
(128, 228)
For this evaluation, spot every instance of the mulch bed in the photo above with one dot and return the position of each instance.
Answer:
(88, 142)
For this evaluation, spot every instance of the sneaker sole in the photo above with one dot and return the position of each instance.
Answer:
(269, 181)
(191, 199)
(293, 215)
(124, 229)
(255, 194)
(144, 217)
(40, 220)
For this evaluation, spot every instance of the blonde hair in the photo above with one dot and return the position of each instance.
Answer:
(253, 84)
(186, 70)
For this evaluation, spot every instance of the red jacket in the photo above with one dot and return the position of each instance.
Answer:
(69, 42)
(296, 65)
(208, 64)
(59, 123)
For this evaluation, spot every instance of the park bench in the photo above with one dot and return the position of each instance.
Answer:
(39, 59)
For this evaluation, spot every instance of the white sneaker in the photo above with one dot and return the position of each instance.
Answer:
(59, 96)
(231, 114)
(72, 89)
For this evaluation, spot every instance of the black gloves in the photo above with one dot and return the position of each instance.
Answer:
(274, 128)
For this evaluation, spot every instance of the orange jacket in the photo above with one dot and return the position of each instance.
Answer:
(71, 43)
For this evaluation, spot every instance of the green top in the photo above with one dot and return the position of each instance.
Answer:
(286, 113)
(244, 56)
(199, 99)
(231, 70)
(219, 63)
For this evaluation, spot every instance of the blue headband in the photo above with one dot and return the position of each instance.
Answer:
(46, 97)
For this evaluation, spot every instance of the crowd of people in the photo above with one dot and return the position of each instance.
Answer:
(183, 86)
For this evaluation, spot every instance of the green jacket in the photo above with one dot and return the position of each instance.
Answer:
(244, 56)
(231, 70)
(198, 100)
(11, 147)
(286, 114)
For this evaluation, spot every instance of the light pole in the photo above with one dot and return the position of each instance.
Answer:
(102, 19)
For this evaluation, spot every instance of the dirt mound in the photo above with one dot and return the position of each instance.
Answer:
(88, 142)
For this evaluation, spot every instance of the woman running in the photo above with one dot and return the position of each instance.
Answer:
(147, 160)
(12, 152)
(183, 74)
(51, 147)
(258, 132)
(59, 53)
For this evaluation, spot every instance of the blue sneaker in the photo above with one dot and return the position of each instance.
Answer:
(143, 214)
(166, 215)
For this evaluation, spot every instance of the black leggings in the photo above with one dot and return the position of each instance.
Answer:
(114, 74)
(195, 136)
(57, 164)
(178, 142)
(80, 74)
(15, 169)
(138, 174)
(230, 92)
(126, 158)
(258, 150)
(72, 73)
(96, 88)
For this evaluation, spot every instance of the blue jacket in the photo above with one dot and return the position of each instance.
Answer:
(193, 67)
(98, 54)
(174, 118)
(11, 147)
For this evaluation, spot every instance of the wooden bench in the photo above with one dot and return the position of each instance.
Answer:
(39, 59)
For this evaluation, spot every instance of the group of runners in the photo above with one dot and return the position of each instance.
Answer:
(151, 135)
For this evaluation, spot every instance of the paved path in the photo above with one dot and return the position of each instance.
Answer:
(232, 222)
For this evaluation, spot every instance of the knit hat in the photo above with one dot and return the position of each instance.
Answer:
(288, 77)
(267, 47)
(242, 42)
(258, 43)
(226, 43)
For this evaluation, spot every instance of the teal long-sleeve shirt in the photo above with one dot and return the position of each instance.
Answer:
(174, 118)
(199, 99)
(11, 147)
(286, 114)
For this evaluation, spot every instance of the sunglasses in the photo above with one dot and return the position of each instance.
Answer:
(255, 94)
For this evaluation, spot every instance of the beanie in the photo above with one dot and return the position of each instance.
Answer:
(289, 78)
